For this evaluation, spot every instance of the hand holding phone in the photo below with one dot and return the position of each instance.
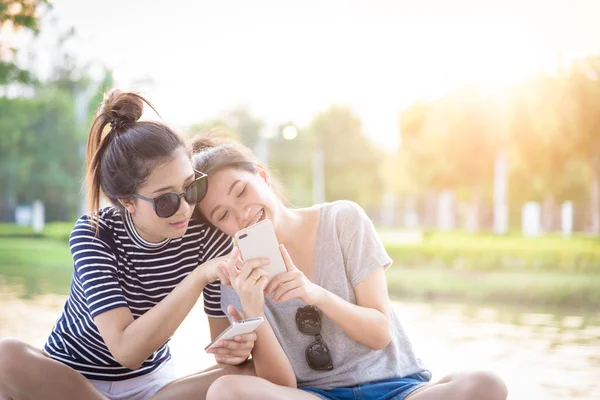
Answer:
(238, 328)
(259, 241)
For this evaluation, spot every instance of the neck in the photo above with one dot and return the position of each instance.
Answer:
(295, 225)
(291, 222)
(147, 236)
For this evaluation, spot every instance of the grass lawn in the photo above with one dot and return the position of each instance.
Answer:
(41, 265)
(553, 289)
(44, 265)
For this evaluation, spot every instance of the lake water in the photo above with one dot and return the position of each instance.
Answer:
(540, 355)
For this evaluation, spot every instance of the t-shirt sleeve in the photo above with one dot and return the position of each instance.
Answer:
(215, 244)
(96, 268)
(361, 246)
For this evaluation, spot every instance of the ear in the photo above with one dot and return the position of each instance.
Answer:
(128, 204)
(262, 171)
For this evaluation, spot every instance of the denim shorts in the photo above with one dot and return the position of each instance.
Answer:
(387, 389)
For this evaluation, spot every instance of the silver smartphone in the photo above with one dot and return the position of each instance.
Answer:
(259, 240)
(238, 328)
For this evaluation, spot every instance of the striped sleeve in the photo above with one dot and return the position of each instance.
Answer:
(215, 244)
(96, 268)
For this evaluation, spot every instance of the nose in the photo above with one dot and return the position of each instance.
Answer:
(243, 216)
(184, 206)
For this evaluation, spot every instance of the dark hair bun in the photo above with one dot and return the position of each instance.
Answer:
(121, 108)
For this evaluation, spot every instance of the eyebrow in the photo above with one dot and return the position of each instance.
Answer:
(228, 193)
(171, 187)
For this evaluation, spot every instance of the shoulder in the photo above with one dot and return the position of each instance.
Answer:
(85, 229)
(345, 211)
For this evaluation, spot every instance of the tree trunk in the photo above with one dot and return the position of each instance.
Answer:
(548, 214)
(595, 196)
(474, 211)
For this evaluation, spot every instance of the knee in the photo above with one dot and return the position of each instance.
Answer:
(12, 352)
(225, 388)
(234, 387)
(484, 385)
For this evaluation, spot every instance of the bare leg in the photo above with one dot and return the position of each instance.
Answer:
(234, 387)
(27, 373)
(463, 386)
(196, 386)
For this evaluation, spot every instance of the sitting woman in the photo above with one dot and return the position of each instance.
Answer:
(331, 332)
(139, 266)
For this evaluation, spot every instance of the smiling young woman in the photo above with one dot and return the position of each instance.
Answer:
(140, 265)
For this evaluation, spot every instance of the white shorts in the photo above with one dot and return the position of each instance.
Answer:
(139, 388)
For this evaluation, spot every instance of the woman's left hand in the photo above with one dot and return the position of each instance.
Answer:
(236, 351)
(293, 284)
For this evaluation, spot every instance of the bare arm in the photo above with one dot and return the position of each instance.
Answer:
(372, 306)
(270, 361)
(217, 326)
(133, 341)
(372, 310)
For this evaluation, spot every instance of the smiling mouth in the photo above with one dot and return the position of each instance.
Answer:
(259, 217)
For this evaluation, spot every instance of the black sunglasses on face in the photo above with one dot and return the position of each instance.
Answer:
(167, 204)
(317, 353)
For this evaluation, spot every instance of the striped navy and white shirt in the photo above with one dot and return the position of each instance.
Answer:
(118, 268)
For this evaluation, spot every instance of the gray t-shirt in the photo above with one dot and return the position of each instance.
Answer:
(347, 251)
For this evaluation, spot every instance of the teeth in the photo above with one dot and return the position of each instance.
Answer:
(258, 216)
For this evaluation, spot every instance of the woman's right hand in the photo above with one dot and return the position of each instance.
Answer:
(209, 270)
(248, 279)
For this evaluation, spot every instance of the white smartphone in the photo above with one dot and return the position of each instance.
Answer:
(259, 240)
(238, 328)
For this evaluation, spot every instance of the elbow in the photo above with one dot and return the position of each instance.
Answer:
(290, 382)
(128, 360)
(129, 363)
(381, 339)
(132, 365)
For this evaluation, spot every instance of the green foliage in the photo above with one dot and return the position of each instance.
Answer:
(520, 288)
(58, 231)
(18, 15)
(40, 265)
(13, 230)
(352, 162)
(481, 252)
(548, 125)
(41, 152)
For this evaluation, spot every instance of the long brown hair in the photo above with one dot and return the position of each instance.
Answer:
(122, 151)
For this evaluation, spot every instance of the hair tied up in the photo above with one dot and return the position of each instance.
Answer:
(117, 124)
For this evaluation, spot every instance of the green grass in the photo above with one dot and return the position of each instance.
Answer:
(554, 289)
(547, 271)
(489, 252)
(40, 265)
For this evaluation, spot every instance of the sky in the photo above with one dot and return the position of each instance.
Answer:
(289, 60)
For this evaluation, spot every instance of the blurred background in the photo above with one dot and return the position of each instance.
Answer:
(468, 130)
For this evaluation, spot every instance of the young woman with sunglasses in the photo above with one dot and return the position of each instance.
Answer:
(331, 332)
(140, 265)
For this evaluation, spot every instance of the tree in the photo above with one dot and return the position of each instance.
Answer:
(43, 134)
(450, 144)
(290, 161)
(214, 128)
(582, 104)
(352, 162)
(245, 125)
(17, 15)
